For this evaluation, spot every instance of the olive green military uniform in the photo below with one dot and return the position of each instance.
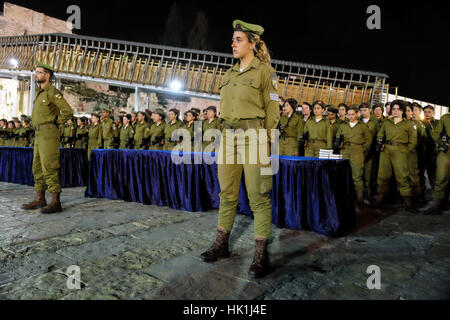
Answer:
(430, 151)
(157, 136)
(248, 99)
(3, 132)
(68, 137)
(369, 167)
(413, 158)
(357, 141)
(335, 126)
(189, 127)
(106, 134)
(291, 128)
(443, 159)
(141, 135)
(9, 141)
(93, 138)
(24, 137)
(15, 142)
(49, 108)
(81, 138)
(168, 130)
(320, 136)
(207, 125)
(126, 137)
(401, 138)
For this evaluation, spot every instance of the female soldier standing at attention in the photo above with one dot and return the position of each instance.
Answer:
(142, 133)
(157, 130)
(248, 100)
(94, 131)
(190, 116)
(173, 124)
(126, 133)
(82, 133)
(291, 128)
(319, 132)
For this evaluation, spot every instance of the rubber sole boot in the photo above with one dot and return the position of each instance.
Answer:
(38, 202)
(219, 248)
(54, 206)
(260, 265)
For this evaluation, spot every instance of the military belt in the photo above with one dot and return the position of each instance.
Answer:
(315, 140)
(350, 143)
(392, 143)
(243, 124)
(39, 127)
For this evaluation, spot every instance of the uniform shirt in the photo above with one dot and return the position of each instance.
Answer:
(142, 132)
(50, 107)
(250, 94)
(321, 130)
(170, 128)
(157, 131)
(215, 124)
(81, 139)
(402, 132)
(107, 130)
(126, 133)
(358, 134)
(293, 125)
(335, 126)
(94, 131)
(441, 126)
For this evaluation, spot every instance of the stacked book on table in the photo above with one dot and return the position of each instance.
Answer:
(328, 154)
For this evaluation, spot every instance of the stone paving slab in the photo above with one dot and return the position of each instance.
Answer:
(129, 250)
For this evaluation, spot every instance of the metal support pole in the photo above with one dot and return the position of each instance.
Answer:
(136, 99)
(32, 94)
(15, 98)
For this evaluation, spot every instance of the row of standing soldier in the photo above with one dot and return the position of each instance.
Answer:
(399, 147)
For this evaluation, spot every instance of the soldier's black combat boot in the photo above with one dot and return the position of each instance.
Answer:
(409, 205)
(219, 249)
(54, 206)
(260, 265)
(434, 208)
(38, 202)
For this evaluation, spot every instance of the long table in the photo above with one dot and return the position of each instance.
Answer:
(308, 193)
(16, 166)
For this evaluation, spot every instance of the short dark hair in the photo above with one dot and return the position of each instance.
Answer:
(355, 108)
(128, 116)
(343, 105)
(400, 103)
(429, 106)
(292, 102)
(320, 103)
(307, 104)
(364, 105)
(176, 111)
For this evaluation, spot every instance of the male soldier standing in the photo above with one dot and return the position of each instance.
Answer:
(107, 130)
(49, 105)
(441, 131)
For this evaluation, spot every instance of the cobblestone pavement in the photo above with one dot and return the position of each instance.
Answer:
(132, 251)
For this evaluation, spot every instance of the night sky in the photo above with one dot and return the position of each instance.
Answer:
(412, 46)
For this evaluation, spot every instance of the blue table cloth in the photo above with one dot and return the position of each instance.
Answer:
(308, 193)
(16, 166)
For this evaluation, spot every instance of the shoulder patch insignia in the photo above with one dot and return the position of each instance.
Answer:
(274, 80)
(274, 97)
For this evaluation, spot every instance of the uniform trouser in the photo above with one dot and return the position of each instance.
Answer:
(368, 167)
(46, 160)
(288, 146)
(442, 175)
(91, 146)
(313, 148)
(394, 158)
(413, 172)
(157, 146)
(355, 153)
(258, 185)
(430, 167)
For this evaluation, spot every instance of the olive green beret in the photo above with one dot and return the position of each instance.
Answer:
(45, 66)
(239, 25)
(107, 109)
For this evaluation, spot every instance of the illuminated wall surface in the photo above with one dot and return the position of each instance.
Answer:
(8, 93)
